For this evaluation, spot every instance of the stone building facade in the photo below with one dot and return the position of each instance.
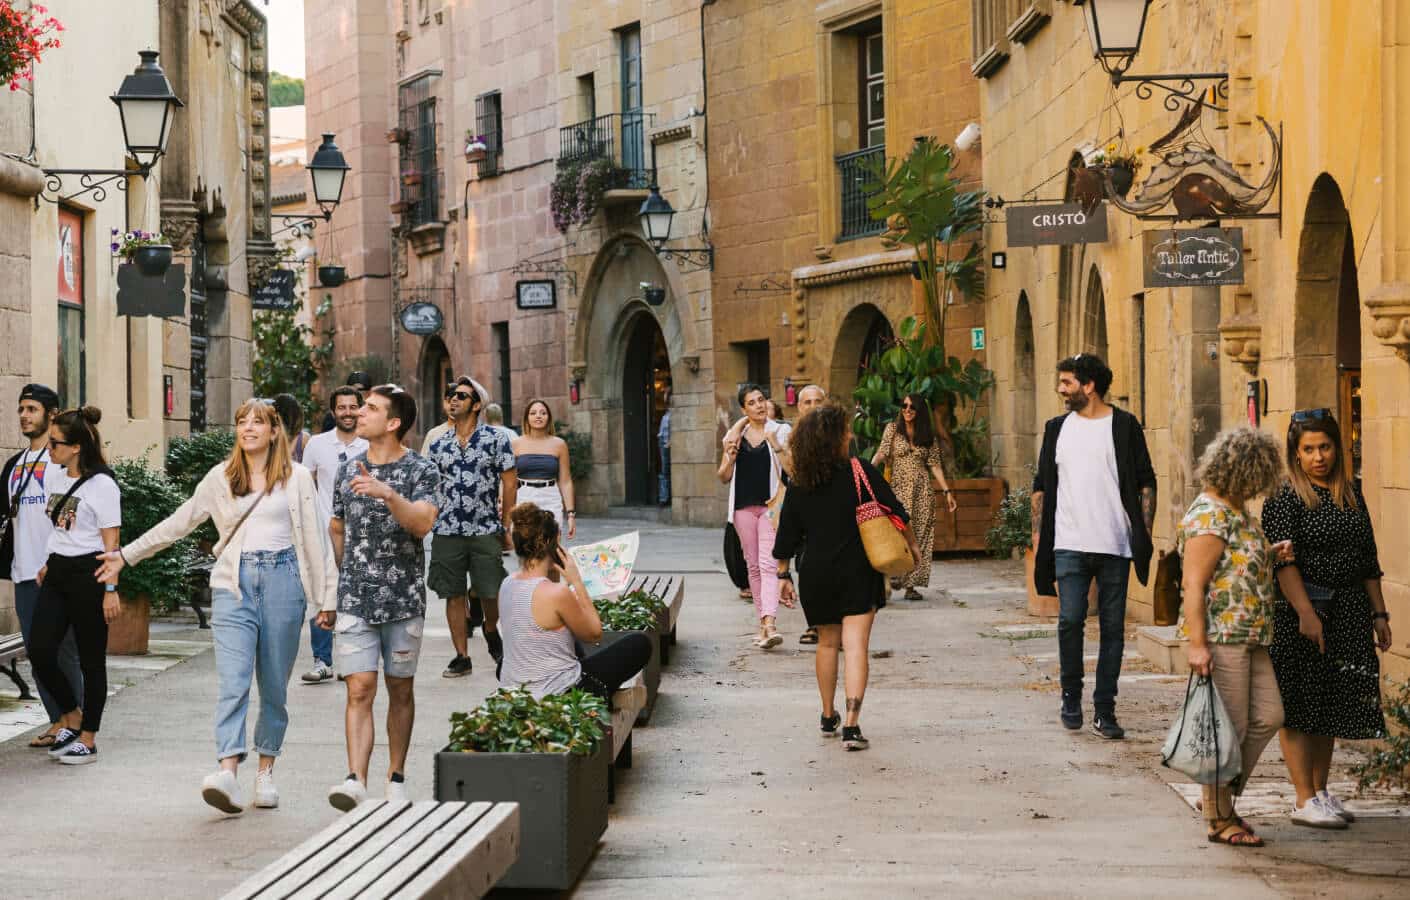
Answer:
(1323, 315)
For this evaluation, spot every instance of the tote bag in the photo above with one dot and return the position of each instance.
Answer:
(881, 530)
(1202, 743)
(735, 565)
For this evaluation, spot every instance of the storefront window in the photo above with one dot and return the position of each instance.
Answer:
(70, 312)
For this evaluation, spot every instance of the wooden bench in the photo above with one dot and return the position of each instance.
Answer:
(383, 849)
(627, 704)
(11, 652)
(671, 590)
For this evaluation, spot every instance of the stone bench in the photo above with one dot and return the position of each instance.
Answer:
(383, 849)
(627, 703)
(1162, 648)
(11, 652)
(671, 590)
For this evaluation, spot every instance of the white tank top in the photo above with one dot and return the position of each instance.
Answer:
(546, 662)
(269, 526)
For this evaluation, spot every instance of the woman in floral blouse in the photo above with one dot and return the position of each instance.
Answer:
(1228, 609)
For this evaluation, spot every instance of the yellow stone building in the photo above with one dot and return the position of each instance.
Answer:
(1323, 315)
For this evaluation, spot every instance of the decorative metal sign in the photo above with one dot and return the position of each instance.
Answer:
(1055, 224)
(422, 318)
(277, 292)
(1194, 257)
(536, 294)
(163, 296)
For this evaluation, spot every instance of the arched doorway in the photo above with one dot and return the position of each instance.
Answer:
(865, 334)
(646, 385)
(1025, 385)
(1071, 263)
(1327, 315)
(434, 373)
(1094, 317)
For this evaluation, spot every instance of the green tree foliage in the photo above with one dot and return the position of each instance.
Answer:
(285, 90)
(289, 356)
(148, 496)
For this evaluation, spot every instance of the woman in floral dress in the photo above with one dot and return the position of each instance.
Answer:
(910, 447)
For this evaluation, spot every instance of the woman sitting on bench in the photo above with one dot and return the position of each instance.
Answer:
(541, 617)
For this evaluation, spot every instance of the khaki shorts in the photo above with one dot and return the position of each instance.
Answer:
(358, 645)
(456, 558)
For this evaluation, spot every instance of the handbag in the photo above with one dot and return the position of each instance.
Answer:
(735, 564)
(882, 530)
(774, 508)
(1202, 742)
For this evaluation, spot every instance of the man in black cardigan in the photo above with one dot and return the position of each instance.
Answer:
(1093, 510)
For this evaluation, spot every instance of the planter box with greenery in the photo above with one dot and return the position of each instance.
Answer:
(1010, 533)
(636, 611)
(148, 496)
(551, 757)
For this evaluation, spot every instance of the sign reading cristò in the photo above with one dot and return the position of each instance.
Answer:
(1194, 257)
(1054, 224)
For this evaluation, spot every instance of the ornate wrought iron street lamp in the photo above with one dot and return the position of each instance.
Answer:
(329, 171)
(1116, 28)
(656, 215)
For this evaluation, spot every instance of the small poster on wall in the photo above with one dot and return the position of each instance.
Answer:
(536, 294)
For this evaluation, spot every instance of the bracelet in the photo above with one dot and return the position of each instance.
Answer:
(785, 576)
(569, 512)
(122, 556)
(1381, 615)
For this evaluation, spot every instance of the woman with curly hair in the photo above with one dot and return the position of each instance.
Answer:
(1228, 610)
(841, 591)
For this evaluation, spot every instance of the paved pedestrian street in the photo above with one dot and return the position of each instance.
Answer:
(970, 788)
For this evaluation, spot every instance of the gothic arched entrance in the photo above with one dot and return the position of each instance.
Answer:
(865, 334)
(646, 385)
(434, 373)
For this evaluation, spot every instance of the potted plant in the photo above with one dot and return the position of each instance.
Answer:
(637, 611)
(332, 275)
(148, 496)
(550, 756)
(24, 36)
(398, 135)
(400, 206)
(475, 147)
(1012, 533)
(148, 250)
(1119, 165)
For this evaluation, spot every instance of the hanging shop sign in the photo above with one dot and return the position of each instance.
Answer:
(536, 294)
(1194, 257)
(422, 318)
(277, 292)
(162, 296)
(1055, 224)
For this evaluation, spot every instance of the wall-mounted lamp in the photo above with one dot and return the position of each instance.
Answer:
(966, 139)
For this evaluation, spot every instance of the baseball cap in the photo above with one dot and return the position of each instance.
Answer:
(42, 394)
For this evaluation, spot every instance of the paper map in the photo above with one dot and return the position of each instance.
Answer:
(607, 565)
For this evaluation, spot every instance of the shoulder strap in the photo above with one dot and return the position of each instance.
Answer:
(225, 543)
(859, 478)
(73, 488)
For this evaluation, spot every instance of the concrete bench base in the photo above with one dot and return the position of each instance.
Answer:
(1162, 649)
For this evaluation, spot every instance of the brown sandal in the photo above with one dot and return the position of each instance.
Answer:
(1235, 835)
(44, 740)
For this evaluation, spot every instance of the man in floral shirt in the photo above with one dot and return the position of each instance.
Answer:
(472, 531)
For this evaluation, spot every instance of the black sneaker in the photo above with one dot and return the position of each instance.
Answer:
(495, 644)
(459, 666)
(1104, 724)
(79, 754)
(829, 724)
(852, 738)
(1072, 711)
(63, 739)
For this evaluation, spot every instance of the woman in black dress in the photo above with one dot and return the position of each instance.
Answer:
(1331, 615)
(841, 591)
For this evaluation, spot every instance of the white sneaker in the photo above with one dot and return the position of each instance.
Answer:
(222, 791)
(1314, 815)
(1332, 803)
(348, 795)
(266, 794)
(320, 673)
(396, 792)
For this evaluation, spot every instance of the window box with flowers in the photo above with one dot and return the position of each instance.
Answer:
(150, 251)
(476, 148)
(24, 36)
(411, 178)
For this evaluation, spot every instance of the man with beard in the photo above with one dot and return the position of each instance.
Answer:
(25, 542)
(323, 456)
(1093, 511)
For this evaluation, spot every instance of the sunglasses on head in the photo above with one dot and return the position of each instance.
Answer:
(1311, 415)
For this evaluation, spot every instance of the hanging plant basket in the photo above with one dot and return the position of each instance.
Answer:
(476, 151)
(1122, 177)
(332, 276)
(397, 135)
(153, 259)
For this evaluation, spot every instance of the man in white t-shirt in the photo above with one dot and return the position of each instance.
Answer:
(323, 455)
(1093, 511)
(24, 547)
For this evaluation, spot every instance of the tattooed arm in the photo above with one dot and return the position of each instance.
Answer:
(1037, 517)
(1148, 508)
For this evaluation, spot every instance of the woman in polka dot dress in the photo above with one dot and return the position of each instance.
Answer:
(1331, 615)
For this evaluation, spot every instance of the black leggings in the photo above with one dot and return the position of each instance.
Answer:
(72, 598)
(605, 671)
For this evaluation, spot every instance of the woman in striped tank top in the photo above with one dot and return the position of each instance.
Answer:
(542, 618)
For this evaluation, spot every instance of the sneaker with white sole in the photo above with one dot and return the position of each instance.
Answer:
(266, 793)
(320, 673)
(62, 741)
(349, 795)
(396, 792)
(1313, 814)
(79, 754)
(1332, 803)
(222, 791)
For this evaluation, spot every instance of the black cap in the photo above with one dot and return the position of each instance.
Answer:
(360, 378)
(41, 394)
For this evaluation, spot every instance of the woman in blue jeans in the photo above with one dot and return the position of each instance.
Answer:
(270, 560)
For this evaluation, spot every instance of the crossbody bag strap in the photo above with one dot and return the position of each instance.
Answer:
(859, 478)
(231, 536)
(73, 489)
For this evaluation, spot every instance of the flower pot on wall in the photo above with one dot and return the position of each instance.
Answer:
(410, 179)
(475, 152)
(129, 633)
(153, 260)
(332, 276)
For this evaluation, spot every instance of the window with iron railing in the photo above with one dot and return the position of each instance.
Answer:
(854, 170)
(618, 138)
(420, 175)
(489, 125)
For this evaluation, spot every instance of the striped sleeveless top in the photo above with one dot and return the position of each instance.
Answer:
(543, 661)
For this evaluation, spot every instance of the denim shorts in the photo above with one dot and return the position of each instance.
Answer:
(358, 645)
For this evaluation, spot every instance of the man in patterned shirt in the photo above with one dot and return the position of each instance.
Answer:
(385, 504)
(472, 530)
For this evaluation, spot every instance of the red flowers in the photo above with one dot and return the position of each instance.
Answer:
(24, 36)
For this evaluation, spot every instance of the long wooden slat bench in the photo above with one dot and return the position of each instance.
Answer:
(11, 652)
(403, 850)
(671, 590)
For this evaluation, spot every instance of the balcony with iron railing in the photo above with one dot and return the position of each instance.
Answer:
(853, 171)
(619, 138)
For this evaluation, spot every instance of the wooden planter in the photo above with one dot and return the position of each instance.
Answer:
(411, 180)
(562, 806)
(1047, 604)
(978, 501)
(129, 633)
(476, 155)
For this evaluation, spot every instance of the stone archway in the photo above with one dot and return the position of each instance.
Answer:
(1093, 321)
(433, 373)
(864, 332)
(1327, 314)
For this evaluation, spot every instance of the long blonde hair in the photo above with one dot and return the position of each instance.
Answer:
(280, 463)
(1339, 478)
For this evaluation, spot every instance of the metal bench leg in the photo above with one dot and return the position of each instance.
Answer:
(13, 670)
(624, 759)
(612, 783)
(200, 615)
(665, 640)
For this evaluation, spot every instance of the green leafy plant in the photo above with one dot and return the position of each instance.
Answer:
(512, 721)
(920, 199)
(149, 496)
(579, 451)
(1013, 524)
(912, 365)
(1387, 764)
(636, 611)
(190, 457)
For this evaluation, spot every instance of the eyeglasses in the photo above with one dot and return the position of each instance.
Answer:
(53, 443)
(1311, 415)
(907, 405)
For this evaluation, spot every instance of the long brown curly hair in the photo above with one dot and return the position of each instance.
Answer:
(817, 445)
(535, 532)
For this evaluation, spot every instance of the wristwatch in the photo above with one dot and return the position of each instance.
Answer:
(110, 589)
(785, 576)
(1381, 615)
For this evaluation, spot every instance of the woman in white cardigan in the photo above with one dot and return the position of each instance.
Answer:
(271, 560)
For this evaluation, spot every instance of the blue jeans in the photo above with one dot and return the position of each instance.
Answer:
(321, 640)
(663, 479)
(26, 599)
(256, 633)
(1075, 571)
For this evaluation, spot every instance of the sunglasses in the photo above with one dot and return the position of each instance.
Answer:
(907, 406)
(1311, 415)
(462, 396)
(53, 443)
